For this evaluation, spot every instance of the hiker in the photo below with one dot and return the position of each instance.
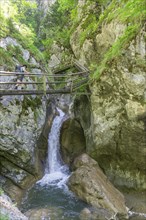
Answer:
(20, 69)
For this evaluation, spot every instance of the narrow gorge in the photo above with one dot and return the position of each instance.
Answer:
(79, 155)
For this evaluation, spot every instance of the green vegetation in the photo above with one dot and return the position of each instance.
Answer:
(116, 49)
(18, 21)
(4, 217)
(55, 28)
(1, 191)
(22, 20)
(133, 14)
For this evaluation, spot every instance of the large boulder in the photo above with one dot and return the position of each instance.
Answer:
(91, 185)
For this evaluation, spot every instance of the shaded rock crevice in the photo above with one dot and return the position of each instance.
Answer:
(72, 140)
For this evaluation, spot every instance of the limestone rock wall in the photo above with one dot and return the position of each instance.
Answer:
(114, 120)
(21, 123)
(118, 104)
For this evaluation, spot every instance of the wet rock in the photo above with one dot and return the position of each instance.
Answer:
(135, 201)
(91, 185)
(94, 214)
(44, 213)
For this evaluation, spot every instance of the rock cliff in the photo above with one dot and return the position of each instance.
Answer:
(113, 116)
(117, 129)
(21, 124)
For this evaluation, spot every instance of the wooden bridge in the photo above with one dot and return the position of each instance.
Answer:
(68, 79)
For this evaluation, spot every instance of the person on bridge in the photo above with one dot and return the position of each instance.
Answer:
(20, 69)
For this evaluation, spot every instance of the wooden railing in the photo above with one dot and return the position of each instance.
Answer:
(60, 81)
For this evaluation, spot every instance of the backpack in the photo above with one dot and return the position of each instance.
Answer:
(18, 68)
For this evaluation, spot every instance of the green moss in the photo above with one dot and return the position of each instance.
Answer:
(6, 59)
(132, 13)
(1, 191)
(141, 63)
(24, 36)
(128, 12)
(89, 27)
(116, 48)
(4, 217)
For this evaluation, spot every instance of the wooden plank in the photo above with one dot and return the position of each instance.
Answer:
(41, 75)
(30, 83)
(33, 92)
(41, 92)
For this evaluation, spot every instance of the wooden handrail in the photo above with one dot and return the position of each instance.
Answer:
(33, 92)
(3, 73)
(69, 82)
(27, 83)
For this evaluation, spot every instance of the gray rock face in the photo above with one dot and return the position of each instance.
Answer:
(59, 55)
(25, 124)
(91, 185)
(21, 124)
(5, 42)
(115, 123)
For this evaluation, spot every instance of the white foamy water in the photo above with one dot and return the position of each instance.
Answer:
(56, 173)
(131, 213)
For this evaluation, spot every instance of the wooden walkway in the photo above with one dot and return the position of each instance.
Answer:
(65, 80)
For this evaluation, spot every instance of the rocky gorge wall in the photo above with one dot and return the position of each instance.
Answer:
(25, 124)
(21, 124)
(113, 116)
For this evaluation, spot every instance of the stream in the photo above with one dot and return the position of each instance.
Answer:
(50, 196)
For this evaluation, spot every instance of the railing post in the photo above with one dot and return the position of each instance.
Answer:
(44, 84)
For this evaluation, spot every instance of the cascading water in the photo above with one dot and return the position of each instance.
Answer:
(56, 171)
(50, 197)
(51, 192)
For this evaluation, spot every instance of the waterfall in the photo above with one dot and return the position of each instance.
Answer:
(56, 173)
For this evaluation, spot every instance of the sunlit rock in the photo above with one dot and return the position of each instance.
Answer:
(91, 185)
(9, 210)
